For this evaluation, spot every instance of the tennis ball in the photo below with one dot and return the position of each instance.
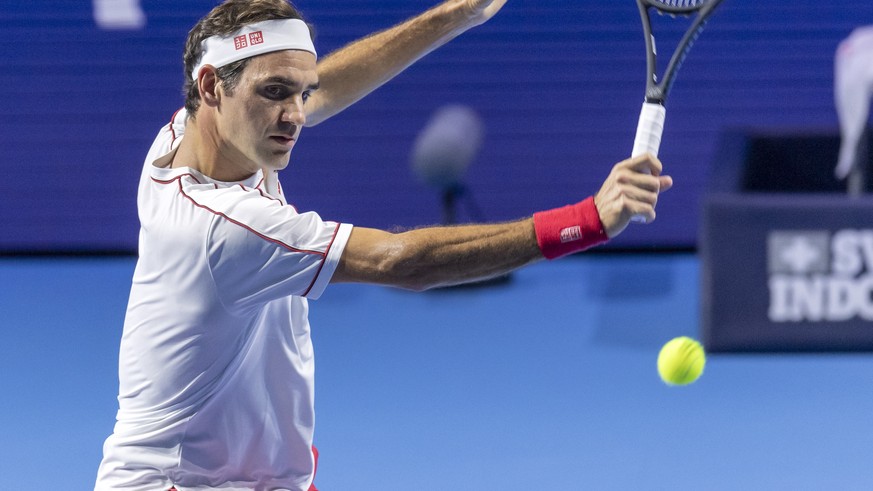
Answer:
(681, 361)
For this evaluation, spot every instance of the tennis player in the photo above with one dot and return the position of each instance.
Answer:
(216, 362)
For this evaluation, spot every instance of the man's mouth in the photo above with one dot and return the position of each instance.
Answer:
(283, 140)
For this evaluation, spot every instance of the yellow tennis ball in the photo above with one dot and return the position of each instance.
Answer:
(681, 361)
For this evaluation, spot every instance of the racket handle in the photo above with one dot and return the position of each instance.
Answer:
(649, 129)
(648, 138)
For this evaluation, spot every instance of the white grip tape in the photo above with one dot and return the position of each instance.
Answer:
(648, 139)
(649, 129)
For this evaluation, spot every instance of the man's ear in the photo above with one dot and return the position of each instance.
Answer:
(208, 86)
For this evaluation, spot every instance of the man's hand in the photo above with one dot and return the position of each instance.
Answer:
(631, 189)
(482, 10)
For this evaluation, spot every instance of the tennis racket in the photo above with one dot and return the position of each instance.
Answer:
(651, 124)
(652, 115)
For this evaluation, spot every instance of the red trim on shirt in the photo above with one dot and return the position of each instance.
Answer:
(179, 177)
(265, 195)
(258, 188)
(326, 251)
(243, 225)
(315, 468)
(172, 129)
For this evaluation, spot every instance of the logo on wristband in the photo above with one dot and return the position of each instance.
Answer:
(570, 234)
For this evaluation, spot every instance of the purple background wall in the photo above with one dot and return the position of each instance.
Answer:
(557, 84)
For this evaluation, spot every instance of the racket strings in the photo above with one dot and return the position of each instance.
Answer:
(679, 58)
(670, 6)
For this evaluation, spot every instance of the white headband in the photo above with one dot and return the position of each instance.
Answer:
(255, 39)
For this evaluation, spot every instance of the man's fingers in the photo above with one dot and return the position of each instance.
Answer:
(666, 183)
(484, 9)
(631, 178)
(631, 190)
(645, 197)
(645, 163)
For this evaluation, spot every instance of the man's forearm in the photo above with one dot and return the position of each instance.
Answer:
(349, 74)
(437, 256)
(472, 252)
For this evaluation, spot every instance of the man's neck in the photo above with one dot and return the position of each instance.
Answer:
(204, 152)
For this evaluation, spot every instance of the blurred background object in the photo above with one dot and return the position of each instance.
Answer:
(443, 152)
(853, 86)
(119, 14)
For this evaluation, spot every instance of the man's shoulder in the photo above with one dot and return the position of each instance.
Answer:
(235, 202)
(168, 137)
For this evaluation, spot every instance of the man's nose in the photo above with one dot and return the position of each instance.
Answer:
(294, 113)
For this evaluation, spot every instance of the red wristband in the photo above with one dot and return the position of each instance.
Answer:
(569, 229)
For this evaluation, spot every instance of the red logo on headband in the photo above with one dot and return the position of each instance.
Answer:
(239, 42)
(243, 41)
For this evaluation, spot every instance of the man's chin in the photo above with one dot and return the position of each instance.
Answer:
(277, 164)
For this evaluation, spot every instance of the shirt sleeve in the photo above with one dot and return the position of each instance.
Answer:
(260, 249)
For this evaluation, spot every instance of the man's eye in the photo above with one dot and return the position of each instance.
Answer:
(276, 92)
(306, 95)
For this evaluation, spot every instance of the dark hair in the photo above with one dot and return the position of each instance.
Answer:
(223, 20)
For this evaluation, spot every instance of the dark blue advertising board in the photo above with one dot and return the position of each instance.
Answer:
(787, 272)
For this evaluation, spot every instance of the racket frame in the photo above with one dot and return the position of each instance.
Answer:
(656, 92)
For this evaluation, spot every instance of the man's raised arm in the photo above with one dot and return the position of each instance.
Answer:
(350, 73)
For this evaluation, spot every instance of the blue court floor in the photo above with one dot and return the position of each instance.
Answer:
(547, 382)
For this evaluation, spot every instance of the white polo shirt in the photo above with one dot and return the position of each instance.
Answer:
(216, 363)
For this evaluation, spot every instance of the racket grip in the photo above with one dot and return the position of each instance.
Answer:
(649, 129)
(648, 138)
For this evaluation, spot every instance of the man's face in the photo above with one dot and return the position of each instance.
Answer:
(259, 124)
